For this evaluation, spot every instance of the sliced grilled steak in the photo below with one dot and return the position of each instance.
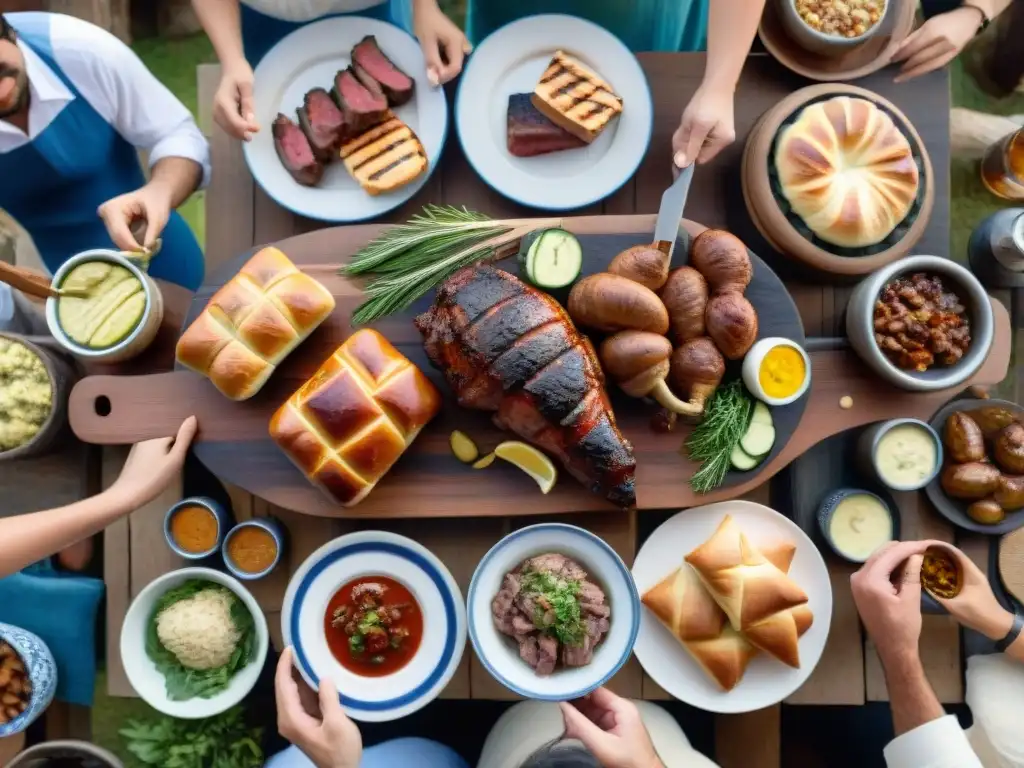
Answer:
(530, 133)
(323, 124)
(397, 85)
(360, 108)
(295, 152)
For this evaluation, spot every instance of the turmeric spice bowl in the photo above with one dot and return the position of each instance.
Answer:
(252, 549)
(195, 527)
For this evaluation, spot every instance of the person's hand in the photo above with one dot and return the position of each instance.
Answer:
(611, 729)
(936, 43)
(152, 464)
(319, 727)
(233, 108)
(976, 606)
(444, 44)
(150, 203)
(706, 127)
(887, 591)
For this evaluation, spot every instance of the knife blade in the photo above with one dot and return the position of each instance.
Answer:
(673, 201)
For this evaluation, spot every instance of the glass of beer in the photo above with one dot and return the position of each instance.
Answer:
(1002, 169)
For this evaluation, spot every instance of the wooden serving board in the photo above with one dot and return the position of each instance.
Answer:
(428, 481)
(1011, 563)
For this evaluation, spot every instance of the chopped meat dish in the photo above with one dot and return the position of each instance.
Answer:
(15, 687)
(551, 608)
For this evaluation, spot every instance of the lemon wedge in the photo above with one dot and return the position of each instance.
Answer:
(531, 461)
(463, 447)
(484, 462)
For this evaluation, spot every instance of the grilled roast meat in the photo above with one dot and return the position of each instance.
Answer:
(506, 347)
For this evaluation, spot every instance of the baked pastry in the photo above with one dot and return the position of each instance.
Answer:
(347, 425)
(253, 323)
(384, 157)
(847, 170)
(751, 590)
(575, 98)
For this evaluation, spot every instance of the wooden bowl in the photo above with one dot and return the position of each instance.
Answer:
(786, 232)
(858, 61)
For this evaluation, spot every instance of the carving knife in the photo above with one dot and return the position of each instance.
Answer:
(672, 203)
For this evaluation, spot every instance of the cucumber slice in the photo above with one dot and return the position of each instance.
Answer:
(762, 414)
(758, 439)
(742, 460)
(551, 259)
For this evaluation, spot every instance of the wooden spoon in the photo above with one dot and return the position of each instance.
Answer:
(31, 283)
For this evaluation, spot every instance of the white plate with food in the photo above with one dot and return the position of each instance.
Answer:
(554, 112)
(382, 617)
(553, 612)
(703, 660)
(193, 643)
(350, 128)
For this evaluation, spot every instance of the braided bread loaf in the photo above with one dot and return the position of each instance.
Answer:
(847, 170)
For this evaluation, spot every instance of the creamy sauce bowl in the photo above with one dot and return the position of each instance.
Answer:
(901, 454)
(856, 522)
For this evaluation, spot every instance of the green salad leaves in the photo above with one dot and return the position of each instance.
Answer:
(182, 682)
(224, 741)
(563, 597)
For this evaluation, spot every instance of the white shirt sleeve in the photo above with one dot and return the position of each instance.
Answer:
(941, 743)
(120, 88)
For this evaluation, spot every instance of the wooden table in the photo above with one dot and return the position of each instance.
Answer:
(240, 216)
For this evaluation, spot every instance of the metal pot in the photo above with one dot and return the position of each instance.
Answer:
(41, 755)
(62, 378)
(135, 342)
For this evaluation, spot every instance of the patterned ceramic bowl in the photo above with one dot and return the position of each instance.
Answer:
(42, 673)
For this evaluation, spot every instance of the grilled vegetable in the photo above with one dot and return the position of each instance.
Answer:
(575, 98)
(385, 157)
(551, 258)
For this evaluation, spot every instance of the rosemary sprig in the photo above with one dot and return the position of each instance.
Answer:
(712, 441)
(409, 259)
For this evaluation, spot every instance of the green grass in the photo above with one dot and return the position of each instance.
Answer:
(110, 714)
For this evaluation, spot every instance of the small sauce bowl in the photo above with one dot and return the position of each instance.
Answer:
(867, 452)
(827, 510)
(754, 360)
(222, 518)
(267, 525)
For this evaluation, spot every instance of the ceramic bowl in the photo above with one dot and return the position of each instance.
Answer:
(42, 673)
(65, 752)
(860, 323)
(752, 369)
(132, 344)
(499, 653)
(868, 441)
(149, 682)
(222, 516)
(828, 506)
(819, 42)
(269, 524)
(928, 603)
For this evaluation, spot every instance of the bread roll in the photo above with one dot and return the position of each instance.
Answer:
(253, 323)
(847, 170)
(347, 425)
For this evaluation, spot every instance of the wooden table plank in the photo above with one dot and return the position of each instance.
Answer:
(750, 740)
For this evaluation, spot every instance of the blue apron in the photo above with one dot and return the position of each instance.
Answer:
(261, 32)
(643, 25)
(54, 185)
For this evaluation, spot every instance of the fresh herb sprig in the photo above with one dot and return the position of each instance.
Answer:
(223, 741)
(712, 441)
(563, 597)
(407, 260)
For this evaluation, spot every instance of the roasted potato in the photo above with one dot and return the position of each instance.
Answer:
(963, 438)
(1009, 493)
(1009, 449)
(970, 481)
(986, 512)
(991, 419)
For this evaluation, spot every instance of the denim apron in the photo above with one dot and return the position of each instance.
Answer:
(54, 184)
(643, 25)
(261, 32)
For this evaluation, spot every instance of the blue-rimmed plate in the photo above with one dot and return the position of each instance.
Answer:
(376, 553)
(308, 58)
(512, 60)
(500, 654)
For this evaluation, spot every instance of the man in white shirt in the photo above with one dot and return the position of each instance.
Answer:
(887, 591)
(76, 105)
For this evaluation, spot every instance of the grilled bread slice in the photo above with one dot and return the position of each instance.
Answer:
(572, 96)
(384, 157)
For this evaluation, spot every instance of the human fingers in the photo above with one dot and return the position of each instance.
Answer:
(226, 115)
(286, 692)
(882, 566)
(717, 140)
(186, 432)
(928, 66)
(247, 108)
(454, 53)
(578, 726)
(156, 219)
(432, 54)
(116, 215)
(910, 581)
(927, 53)
(330, 702)
(914, 42)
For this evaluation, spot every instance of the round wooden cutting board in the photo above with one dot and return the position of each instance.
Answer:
(1011, 563)
(428, 480)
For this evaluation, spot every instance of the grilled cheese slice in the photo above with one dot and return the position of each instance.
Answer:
(575, 98)
(384, 157)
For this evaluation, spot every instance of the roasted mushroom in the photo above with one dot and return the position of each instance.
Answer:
(639, 363)
(644, 264)
(731, 323)
(697, 370)
(963, 438)
(723, 259)
(685, 296)
(992, 418)
(969, 481)
(986, 512)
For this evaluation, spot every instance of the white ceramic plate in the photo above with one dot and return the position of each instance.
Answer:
(511, 60)
(376, 699)
(499, 653)
(149, 682)
(310, 57)
(767, 680)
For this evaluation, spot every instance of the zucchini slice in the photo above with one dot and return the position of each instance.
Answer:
(758, 439)
(742, 460)
(551, 258)
(762, 414)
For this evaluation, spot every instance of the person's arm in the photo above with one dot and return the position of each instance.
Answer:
(233, 107)
(222, 22)
(444, 45)
(151, 465)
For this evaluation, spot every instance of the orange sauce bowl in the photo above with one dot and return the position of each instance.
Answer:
(253, 548)
(195, 527)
